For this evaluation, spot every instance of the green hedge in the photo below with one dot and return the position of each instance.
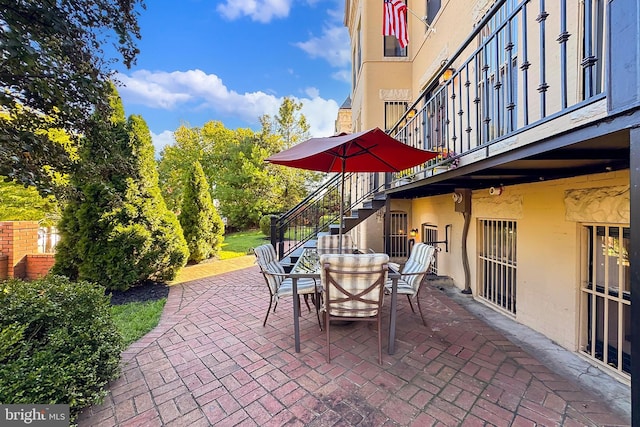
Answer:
(265, 224)
(58, 343)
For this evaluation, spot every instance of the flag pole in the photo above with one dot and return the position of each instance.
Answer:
(422, 19)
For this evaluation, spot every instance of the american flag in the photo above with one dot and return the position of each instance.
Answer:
(395, 21)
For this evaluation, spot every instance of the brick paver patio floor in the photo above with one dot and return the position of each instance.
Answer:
(210, 362)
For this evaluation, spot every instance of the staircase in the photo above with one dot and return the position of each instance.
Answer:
(358, 214)
(319, 213)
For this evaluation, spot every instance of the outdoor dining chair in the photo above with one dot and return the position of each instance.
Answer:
(413, 273)
(329, 244)
(353, 290)
(280, 284)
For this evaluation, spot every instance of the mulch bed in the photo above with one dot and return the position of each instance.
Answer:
(147, 291)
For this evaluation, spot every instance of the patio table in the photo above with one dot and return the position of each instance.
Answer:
(308, 266)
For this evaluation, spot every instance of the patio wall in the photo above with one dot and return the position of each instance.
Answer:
(19, 255)
(548, 243)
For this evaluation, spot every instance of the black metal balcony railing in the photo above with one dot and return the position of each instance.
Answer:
(524, 64)
(319, 211)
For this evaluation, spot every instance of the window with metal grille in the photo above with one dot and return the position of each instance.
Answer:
(430, 236)
(393, 110)
(398, 234)
(497, 263)
(606, 296)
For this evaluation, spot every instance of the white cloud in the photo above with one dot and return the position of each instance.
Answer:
(337, 13)
(332, 46)
(258, 10)
(194, 90)
(151, 93)
(312, 92)
(321, 115)
(162, 140)
(342, 76)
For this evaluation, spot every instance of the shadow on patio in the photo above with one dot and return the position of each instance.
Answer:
(210, 362)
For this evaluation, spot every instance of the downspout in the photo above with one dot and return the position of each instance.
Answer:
(462, 204)
(465, 255)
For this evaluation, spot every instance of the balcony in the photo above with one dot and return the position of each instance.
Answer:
(526, 97)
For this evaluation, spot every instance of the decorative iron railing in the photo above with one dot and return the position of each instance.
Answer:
(319, 212)
(525, 63)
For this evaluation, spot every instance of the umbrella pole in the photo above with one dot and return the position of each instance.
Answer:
(341, 211)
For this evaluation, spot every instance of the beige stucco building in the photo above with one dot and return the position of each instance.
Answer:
(531, 111)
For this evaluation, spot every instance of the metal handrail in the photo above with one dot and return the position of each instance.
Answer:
(492, 94)
(305, 220)
(320, 212)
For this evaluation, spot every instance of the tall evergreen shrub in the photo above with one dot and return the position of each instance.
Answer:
(117, 230)
(202, 226)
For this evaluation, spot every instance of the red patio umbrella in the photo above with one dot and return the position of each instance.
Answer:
(369, 151)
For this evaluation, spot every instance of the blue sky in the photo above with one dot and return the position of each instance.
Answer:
(235, 60)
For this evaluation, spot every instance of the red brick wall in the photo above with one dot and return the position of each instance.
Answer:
(6, 244)
(19, 269)
(39, 265)
(19, 242)
(4, 267)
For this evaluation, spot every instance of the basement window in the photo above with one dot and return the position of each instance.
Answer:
(497, 263)
(606, 296)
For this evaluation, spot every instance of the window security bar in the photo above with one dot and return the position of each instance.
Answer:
(445, 241)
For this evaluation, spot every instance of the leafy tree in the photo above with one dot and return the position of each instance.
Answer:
(285, 130)
(289, 123)
(54, 74)
(292, 124)
(117, 231)
(174, 164)
(234, 164)
(18, 203)
(192, 144)
(244, 188)
(202, 226)
(248, 187)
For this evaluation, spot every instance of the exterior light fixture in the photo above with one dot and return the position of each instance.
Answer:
(446, 75)
(408, 116)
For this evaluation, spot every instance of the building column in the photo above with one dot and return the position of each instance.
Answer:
(634, 267)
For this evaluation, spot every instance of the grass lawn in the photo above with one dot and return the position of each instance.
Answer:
(238, 244)
(135, 319)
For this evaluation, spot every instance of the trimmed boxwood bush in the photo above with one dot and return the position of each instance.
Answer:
(265, 224)
(58, 343)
